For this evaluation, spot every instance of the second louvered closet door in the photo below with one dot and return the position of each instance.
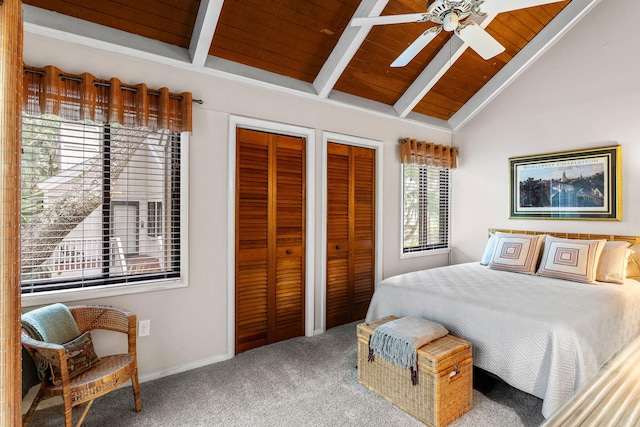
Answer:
(270, 238)
(350, 232)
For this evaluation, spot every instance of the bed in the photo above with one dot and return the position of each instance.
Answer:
(543, 335)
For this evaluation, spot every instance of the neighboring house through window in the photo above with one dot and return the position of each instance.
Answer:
(84, 186)
(154, 219)
(426, 191)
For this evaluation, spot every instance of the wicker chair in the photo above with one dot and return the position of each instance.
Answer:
(106, 375)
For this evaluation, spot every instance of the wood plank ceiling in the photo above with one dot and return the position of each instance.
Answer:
(310, 46)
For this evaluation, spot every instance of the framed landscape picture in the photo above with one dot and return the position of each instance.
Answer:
(582, 184)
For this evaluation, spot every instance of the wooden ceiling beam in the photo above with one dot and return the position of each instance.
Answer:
(433, 72)
(347, 46)
(203, 30)
(385, 110)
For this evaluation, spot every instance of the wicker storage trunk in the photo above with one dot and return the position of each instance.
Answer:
(445, 371)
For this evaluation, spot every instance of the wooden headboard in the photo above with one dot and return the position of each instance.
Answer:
(630, 239)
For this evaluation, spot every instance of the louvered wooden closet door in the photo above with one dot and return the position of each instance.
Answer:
(289, 238)
(363, 161)
(350, 232)
(270, 244)
(338, 225)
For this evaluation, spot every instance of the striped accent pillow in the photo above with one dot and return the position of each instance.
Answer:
(80, 357)
(612, 263)
(571, 259)
(516, 252)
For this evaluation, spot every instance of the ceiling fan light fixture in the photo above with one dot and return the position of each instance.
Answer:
(450, 21)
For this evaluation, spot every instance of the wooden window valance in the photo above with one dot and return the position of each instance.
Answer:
(428, 153)
(48, 90)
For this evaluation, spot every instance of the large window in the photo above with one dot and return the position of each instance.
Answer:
(425, 208)
(100, 204)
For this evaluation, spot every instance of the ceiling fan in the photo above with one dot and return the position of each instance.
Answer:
(451, 16)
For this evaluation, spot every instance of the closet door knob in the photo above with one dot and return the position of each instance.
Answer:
(288, 251)
(337, 246)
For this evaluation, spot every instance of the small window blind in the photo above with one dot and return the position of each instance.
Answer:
(426, 191)
(87, 190)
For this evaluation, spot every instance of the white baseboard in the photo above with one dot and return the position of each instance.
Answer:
(183, 368)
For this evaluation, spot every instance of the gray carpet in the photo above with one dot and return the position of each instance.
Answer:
(299, 382)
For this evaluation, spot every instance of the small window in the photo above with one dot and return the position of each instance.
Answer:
(154, 219)
(425, 208)
(83, 188)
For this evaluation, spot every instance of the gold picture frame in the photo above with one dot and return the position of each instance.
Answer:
(579, 185)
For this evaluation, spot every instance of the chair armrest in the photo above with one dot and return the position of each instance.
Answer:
(90, 317)
(53, 354)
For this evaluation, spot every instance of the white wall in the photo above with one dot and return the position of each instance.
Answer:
(582, 93)
(189, 325)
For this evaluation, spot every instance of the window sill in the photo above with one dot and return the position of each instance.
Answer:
(70, 295)
(425, 253)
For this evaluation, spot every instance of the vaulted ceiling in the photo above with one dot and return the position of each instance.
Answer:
(309, 47)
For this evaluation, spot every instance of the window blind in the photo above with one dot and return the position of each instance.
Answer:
(426, 192)
(100, 204)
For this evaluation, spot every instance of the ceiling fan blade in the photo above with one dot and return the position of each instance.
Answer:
(497, 6)
(415, 47)
(479, 40)
(389, 19)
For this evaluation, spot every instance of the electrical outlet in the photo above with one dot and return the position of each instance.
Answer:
(144, 328)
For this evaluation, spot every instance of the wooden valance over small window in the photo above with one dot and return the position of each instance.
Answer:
(48, 90)
(428, 153)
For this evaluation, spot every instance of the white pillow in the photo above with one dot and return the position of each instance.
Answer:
(518, 253)
(488, 250)
(571, 259)
(633, 268)
(612, 262)
(627, 259)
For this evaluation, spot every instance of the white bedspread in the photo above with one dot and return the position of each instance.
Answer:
(541, 335)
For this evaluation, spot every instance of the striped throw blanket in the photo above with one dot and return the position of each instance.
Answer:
(397, 341)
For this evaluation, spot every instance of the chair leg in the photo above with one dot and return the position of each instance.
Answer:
(84, 413)
(32, 409)
(136, 391)
(68, 409)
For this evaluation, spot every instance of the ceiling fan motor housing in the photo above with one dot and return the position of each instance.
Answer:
(449, 12)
